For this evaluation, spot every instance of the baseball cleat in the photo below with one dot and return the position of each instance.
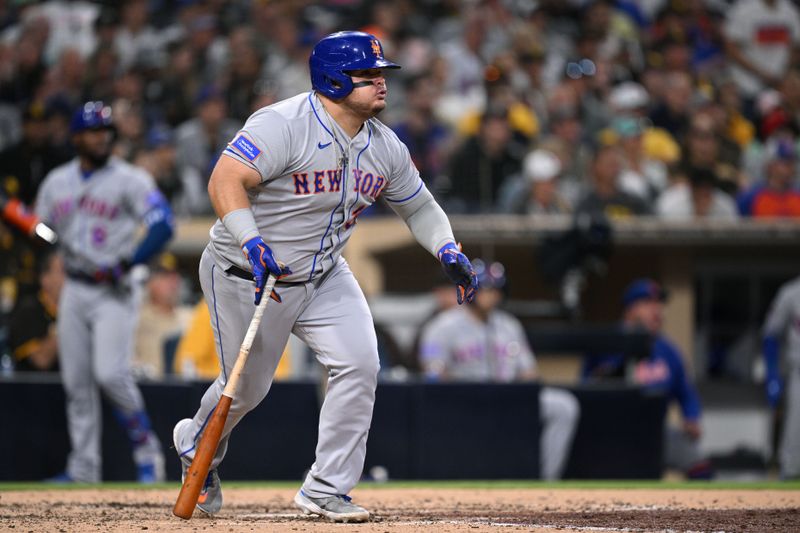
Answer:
(149, 461)
(335, 508)
(210, 499)
(61, 478)
(150, 473)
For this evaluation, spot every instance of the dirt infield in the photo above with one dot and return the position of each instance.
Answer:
(407, 509)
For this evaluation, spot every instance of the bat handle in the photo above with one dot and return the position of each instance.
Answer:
(244, 350)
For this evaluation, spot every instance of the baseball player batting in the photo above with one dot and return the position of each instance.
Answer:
(290, 186)
(96, 203)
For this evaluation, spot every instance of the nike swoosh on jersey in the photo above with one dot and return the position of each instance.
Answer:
(321, 146)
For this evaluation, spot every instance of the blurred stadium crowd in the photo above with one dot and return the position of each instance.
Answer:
(673, 108)
(677, 108)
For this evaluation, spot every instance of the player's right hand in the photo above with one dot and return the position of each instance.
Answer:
(112, 274)
(460, 271)
(263, 264)
(774, 386)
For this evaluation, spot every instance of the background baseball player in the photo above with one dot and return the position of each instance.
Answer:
(660, 370)
(783, 325)
(298, 174)
(480, 342)
(96, 203)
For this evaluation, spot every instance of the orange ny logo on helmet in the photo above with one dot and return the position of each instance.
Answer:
(376, 48)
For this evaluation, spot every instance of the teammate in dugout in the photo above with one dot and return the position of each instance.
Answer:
(290, 187)
(97, 203)
(661, 370)
(484, 343)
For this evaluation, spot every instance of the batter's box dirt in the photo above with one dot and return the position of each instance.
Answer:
(400, 510)
(751, 520)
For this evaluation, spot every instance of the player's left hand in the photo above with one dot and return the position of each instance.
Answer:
(263, 264)
(460, 271)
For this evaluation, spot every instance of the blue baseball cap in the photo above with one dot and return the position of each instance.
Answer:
(643, 289)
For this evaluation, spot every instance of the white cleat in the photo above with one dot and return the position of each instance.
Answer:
(334, 508)
(210, 499)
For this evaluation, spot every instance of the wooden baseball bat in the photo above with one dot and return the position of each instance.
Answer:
(209, 441)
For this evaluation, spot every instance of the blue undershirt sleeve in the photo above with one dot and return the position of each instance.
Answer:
(160, 228)
(771, 347)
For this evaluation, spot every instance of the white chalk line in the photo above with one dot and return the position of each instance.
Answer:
(479, 522)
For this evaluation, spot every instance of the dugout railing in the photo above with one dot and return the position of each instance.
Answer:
(419, 431)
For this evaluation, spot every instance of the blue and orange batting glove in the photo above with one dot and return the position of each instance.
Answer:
(263, 264)
(460, 271)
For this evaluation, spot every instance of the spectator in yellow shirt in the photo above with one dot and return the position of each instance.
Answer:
(196, 355)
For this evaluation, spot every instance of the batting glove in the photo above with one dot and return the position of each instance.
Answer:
(460, 271)
(774, 390)
(112, 274)
(263, 264)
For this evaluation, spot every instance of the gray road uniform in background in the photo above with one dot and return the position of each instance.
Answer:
(97, 218)
(457, 346)
(782, 326)
(316, 180)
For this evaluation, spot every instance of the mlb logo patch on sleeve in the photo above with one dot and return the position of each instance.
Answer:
(246, 147)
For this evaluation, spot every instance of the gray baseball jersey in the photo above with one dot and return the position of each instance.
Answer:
(315, 183)
(456, 345)
(96, 218)
(783, 321)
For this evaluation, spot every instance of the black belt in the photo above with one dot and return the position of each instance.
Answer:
(84, 277)
(241, 273)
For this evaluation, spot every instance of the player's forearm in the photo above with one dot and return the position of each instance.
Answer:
(227, 189)
(427, 222)
(770, 345)
(227, 195)
(160, 229)
(690, 403)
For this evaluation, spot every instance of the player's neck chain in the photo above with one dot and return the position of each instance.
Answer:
(340, 153)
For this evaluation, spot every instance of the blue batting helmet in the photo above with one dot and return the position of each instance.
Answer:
(339, 53)
(91, 116)
(491, 276)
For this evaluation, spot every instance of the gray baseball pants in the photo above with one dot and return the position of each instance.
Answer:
(789, 454)
(95, 344)
(560, 412)
(331, 316)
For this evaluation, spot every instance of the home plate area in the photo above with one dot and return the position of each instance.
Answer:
(414, 509)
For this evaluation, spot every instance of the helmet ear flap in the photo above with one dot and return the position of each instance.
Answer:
(328, 80)
(338, 84)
